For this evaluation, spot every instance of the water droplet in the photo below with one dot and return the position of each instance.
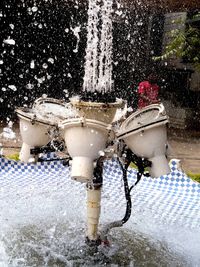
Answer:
(32, 64)
(51, 60)
(45, 66)
(12, 87)
(34, 9)
(9, 41)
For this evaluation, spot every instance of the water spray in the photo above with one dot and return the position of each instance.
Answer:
(89, 129)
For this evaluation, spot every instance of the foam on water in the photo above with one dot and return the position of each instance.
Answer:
(43, 224)
(54, 112)
(60, 244)
(54, 241)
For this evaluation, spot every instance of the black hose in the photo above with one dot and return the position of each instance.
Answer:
(98, 173)
(108, 227)
(127, 193)
(141, 164)
(98, 181)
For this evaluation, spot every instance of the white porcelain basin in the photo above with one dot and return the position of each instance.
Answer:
(145, 134)
(84, 139)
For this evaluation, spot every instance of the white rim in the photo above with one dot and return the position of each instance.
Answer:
(31, 117)
(83, 122)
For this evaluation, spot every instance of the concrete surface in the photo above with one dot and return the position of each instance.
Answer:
(185, 145)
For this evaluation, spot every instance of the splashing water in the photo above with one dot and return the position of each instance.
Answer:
(8, 132)
(98, 59)
(39, 227)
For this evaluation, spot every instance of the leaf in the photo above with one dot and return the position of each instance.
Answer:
(183, 44)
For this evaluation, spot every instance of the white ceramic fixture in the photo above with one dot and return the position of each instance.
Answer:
(37, 123)
(103, 112)
(145, 134)
(84, 139)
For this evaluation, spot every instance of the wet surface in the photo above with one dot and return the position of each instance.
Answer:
(39, 233)
(40, 228)
(60, 244)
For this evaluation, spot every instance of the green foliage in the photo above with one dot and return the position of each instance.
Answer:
(132, 165)
(184, 44)
(13, 156)
(194, 176)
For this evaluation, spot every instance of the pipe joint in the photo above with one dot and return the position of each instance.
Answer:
(93, 243)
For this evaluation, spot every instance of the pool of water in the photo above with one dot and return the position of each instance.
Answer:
(47, 228)
(60, 244)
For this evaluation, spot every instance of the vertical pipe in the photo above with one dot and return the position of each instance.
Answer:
(93, 213)
(24, 154)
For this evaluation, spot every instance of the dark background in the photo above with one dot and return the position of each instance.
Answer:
(42, 36)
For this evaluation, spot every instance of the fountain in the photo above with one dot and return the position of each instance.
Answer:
(87, 135)
(41, 227)
(88, 130)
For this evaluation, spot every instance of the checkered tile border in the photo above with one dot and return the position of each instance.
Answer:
(169, 198)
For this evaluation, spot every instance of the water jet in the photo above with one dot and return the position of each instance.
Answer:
(88, 132)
